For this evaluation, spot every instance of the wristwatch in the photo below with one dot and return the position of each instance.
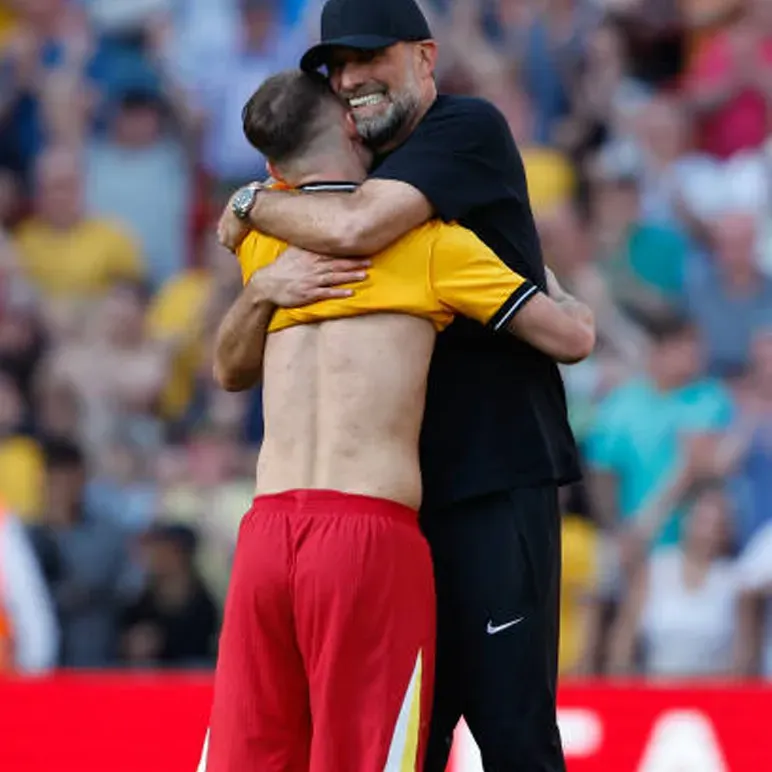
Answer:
(244, 200)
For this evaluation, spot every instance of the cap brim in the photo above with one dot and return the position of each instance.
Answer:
(319, 55)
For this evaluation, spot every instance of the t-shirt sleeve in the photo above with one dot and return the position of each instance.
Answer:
(455, 158)
(256, 251)
(468, 278)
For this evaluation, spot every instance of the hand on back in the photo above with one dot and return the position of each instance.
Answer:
(299, 278)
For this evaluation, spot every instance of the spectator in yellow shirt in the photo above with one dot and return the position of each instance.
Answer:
(21, 461)
(578, 583)
(186, 308)
(7, 21)
(550, 174)
(63, 252)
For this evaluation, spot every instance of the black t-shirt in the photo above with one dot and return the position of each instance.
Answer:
(496, 408)
(188, 633)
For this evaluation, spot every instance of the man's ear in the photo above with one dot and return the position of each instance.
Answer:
(427, 57)
(274, 173)
(351, 127)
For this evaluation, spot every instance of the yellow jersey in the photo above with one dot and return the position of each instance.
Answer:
(434, 272)
(82, 261)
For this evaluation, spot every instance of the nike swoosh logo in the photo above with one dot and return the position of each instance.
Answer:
(493, 629)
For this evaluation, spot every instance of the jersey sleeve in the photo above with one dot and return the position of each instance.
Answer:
(468, 278)
(459, 157)
(256, 251)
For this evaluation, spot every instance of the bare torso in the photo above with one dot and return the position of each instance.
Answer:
(343, 405)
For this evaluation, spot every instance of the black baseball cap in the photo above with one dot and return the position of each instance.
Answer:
(367, 25)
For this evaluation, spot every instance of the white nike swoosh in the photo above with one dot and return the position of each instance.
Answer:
(493, 629)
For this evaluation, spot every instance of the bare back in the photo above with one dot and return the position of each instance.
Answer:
(343, 405)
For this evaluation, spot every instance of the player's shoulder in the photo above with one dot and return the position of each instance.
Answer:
(469, 125)
(256, 251)
(452, 243)
(474, 113)
(422, 236)
(256, 243)
(466, 107)
(451, 232)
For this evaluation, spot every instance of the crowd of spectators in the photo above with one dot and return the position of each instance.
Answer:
(645, 128)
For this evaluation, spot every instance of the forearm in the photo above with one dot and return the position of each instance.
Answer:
(326, 224)
(240, 341)
(604, 492)
(746, 650)
(621, 649)
(624, 631)
(734, 447)
(346, 224)
(651, 517)
(582, 317)
(564, 329)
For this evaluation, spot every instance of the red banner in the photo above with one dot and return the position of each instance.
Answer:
(156, 723)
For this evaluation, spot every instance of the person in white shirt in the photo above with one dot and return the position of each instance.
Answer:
(754, 572)
(683, 604)
(25, 602)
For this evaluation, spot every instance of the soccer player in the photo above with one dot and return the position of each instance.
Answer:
(326, 655)
(495, 441)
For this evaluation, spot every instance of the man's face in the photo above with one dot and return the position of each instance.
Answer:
(680, 357)
(37, 11)
(734, 237)
(164, 559)
(615, 205)
(664, 129)
(138, 126)
(122, 316)
(382, 89)
(64, 491)
(60, 190)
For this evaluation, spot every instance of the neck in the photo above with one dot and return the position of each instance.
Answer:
(664, 384)
(331, 170)
(697, 558)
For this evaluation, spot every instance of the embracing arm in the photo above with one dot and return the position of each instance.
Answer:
(295, 278)
(451, 164)
(626, 628)
(559, 326)
(469, 278)
(360, 223)
(240, 342)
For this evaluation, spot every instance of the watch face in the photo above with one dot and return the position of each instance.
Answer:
(242, 201)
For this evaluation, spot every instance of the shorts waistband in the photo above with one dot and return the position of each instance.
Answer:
(328, 502)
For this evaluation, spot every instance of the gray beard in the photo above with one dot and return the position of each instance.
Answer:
(380, 131)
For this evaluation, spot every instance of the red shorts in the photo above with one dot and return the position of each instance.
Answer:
(326, 659)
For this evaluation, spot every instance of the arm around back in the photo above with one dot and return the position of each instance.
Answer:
(564, 329)
(347, 224)
(469, 278)
(450, 165)
(294, 278)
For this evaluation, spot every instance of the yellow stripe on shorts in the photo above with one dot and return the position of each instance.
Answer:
(403, 751)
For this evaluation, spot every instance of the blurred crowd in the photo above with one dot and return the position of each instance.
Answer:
(645, 127)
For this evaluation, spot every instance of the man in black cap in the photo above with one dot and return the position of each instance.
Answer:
(496, 442)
